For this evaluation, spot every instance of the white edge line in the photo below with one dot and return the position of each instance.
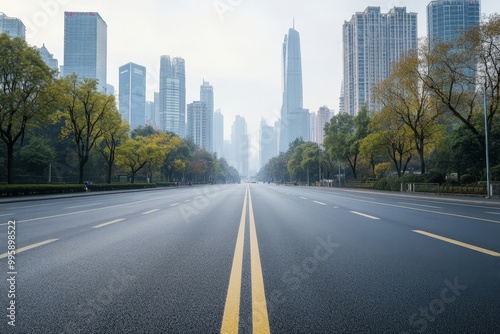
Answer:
(364, 215)
(23, 249)
(109, 223)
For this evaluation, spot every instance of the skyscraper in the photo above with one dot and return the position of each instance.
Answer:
(132, 94)
(294, 120)
(268, 146)
(207, 97)
(241, 144)
(48, 58)
(12, 26)
(372, 42)
(447, 19)
(219, 133)
(85, 46)
(196, 123)
(172, 97)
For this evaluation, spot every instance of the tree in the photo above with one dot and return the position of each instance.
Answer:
(343, 137)
(115, 132)
(27, 93)
(404, 97)
(85, 109)
(132, 156)
(36, 156)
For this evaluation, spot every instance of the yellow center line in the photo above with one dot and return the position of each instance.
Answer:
(459, 243)
(23, 249)
(230, 320)
(260, 317)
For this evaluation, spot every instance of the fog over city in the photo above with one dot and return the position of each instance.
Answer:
(235, 45)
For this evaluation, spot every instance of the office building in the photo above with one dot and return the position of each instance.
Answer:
(12, 26)
(48, 58)
(240, 141)
(447, 19)
(294, 119)
(373, 41)
(268, 142)
(85, 46)
(207, 97)
(197, 112)
(172, 95)
(219, 133)
(132, 94)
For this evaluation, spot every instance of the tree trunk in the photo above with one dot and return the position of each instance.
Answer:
(10, 163)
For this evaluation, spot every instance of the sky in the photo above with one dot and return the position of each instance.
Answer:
(235, 45)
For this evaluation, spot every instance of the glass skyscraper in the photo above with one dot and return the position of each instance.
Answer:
(207, 97)
(196, 123)
(373, 41)
(12, 26)
(294, 119)
(85, 46)
(172, 95)
(447, 19)
(132, 94)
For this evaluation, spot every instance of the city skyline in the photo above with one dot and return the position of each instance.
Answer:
(237, 49)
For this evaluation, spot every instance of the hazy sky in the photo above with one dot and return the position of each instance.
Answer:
(233, 44)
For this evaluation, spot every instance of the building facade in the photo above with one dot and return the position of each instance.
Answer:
(172, 95)
(219, 134)
(12, 26)
(294, 119)
(447, 19)
(240, 141)
(48, 58)
(85, 46)
(207, 97)
(196, 123)
(373, 41)
(268, 142)
(132, 94)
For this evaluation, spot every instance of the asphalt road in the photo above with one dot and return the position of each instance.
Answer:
(250, 258)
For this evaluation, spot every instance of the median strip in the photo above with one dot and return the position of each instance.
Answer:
(23, 249)
(109, 223)
(458, 243)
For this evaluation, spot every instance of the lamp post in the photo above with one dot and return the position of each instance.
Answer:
(488, 187)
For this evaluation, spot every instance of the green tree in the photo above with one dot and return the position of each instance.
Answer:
(36, 156)
(132, 155)
(27, 94)
(85, 109)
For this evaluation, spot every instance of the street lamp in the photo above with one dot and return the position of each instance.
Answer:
(488, 191)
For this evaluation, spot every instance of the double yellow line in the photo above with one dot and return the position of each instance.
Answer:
(260, 319)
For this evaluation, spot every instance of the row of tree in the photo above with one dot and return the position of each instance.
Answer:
(68, 126)
(430, 115)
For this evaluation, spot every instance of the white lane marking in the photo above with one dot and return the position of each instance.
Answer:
(424, 206)
(6, 214)
(493, 213)
(364, 215)
(81, 206)
(23, 249)
(320, 203)
(109, 223)
(188, 200)
(458, 243)
(175, 204)
(150, 211)
(303, 197)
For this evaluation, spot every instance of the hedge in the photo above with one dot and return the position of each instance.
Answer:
(39, 189)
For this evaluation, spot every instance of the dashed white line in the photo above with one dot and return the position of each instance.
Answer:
(320, 203)
(23, 249)
(109, 223)
(364, 215)
(81, 206)
(425, 206)
(303, 197)
(175, 204)
(150, 211)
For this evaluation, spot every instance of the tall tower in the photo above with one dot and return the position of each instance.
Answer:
(447, 19)
(172, 95)
(372, 42)
(240, 141)
(12, 26)
(196, 124)
(132, 94)
(85, 46)
(219, 133)
(207, 97)
(267, 142)
(293, 115)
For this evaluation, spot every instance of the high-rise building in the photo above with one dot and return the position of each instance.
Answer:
(219, 133)
(294, 119)
(240, 141)
(85, 46)
(447, 19)
(48, 58)
(323, 116)
(196, 123)
(12, 26)
(268, 142)
(132, 94)
(172, 95)
(373, 41)
(207, 97)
